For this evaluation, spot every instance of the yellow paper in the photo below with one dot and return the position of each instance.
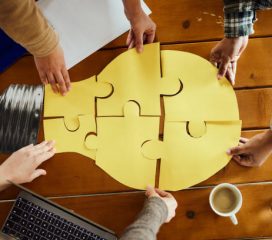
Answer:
(136, 77)
(79, 101)
(185, 160)
(68, 141)
(201, 122)
(119, 141)
(203, 96)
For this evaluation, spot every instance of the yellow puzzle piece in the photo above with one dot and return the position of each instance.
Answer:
(118, 143)
(79, 101)
(203, 96)
(68, 141)
(185, 160)
(136, 77)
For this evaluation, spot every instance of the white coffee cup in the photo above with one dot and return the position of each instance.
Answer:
(236, 203)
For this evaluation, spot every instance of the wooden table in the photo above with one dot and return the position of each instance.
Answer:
(77, 183)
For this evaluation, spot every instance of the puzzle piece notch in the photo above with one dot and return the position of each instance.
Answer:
(91, 141)
(210, 98)
(79, 101)
(186, 161)
(153, 149)
(118, 145)
(196, 129)
(71, 123)
(71, 141)
(141, 82)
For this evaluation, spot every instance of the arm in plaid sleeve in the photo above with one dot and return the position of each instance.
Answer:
(239, 18)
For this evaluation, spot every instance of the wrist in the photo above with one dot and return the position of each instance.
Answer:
(133, 11)
(267, 136)
(236, 39)
(3, 179)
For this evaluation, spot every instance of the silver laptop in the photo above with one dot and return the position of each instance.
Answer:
(33, 217)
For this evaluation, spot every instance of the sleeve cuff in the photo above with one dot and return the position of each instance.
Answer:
(238, 24)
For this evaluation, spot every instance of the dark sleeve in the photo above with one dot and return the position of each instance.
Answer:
(149, 221)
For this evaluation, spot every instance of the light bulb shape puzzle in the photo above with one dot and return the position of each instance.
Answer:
(120, 130)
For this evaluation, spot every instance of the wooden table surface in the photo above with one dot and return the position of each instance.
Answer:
(77, 183)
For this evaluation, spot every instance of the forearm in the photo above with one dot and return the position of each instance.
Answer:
(3, 181)
(25, 24)
(267, 139)
(148, 222)
(239, 17)
(132, 8)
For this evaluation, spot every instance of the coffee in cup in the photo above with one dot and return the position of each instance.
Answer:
(226, 201)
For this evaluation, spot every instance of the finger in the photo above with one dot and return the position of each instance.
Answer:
(129, 37)
(223, 67)
(43, 78)
(150, 191)
(144, 38)
(234, 69)
(230, 75)
(243, 140)
(214, 63)
(243, 162)
(163, 193)
(236, 150)
(44, 156)
(214, 59)
(66, 78)
(150, 37)
(236, 157)
(132, 44)
(60, 80)
(52, 82)
(44, 147)
(37, 173)
(139, 41)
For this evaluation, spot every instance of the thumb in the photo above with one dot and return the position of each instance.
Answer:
(37, 173)
(151, 192)
(236, 150)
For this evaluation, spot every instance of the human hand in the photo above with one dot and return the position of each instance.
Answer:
(21, 166)
(168, 199)
(226, 54)
(142, 31)
(253, 152)
(52, 70)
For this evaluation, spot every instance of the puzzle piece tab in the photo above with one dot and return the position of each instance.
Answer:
(203, 96)
(68, 141)
(79, 101)
(136, 77)
(118, 143)
(185, 160)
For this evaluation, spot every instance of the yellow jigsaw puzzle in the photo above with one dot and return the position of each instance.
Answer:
(71, 141)
(118, 143)
(187, 160)
(79, 101)
(203, 96)
(136, 77)
(201, 119)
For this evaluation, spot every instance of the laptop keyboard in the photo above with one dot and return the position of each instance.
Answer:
(28, 221)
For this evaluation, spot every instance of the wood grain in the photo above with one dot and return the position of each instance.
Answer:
(194, 218)
(180, 21)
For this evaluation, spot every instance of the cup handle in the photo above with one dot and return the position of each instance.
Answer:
(233, 218)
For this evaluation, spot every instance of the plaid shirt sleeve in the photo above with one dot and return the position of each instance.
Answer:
(240, 16)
